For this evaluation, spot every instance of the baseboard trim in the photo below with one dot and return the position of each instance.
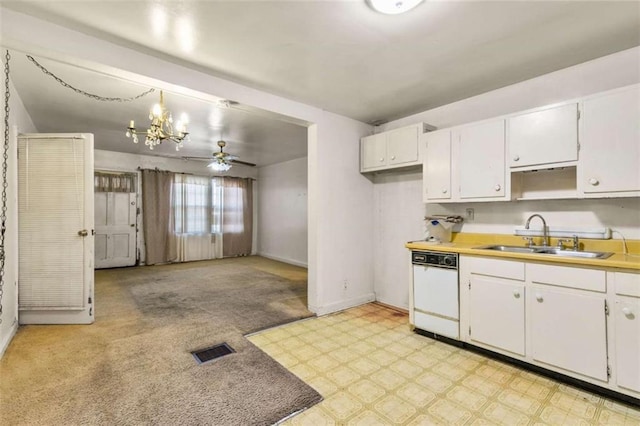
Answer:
(284, 260)
(344, 304)
(8, 338)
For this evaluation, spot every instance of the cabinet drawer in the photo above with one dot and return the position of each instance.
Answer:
(493, 267)
(563, 276)
(626, 284)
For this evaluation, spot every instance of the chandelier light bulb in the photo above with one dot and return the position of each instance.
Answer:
(393, 7)
(156, 111)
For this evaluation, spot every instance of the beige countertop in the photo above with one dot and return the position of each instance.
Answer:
(464, 243)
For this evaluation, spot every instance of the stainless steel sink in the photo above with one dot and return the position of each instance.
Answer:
(552, 251)
(511, 249)
(574, 253)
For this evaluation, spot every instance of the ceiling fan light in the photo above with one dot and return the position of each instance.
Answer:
(393, 7)
(219, 166)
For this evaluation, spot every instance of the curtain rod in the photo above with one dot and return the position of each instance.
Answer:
(191, 174)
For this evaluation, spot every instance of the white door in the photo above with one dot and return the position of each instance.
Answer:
(610, 143)
(373, 151)
(115, 220)
(481, 160)
(545, 136)
(627, 324)
(55, 231)
(496, 313)
(402, 145)
(568, 330)
(437, 165)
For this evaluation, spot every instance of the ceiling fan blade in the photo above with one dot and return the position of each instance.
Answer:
(197, 158)
(245, 163)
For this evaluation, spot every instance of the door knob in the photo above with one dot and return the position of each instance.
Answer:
(393, 157)
(594, 181)
(444, 191)
(497, 187)
(627, 311)
(516, 158)
(381, 159)
(83, 233)
(539, 297)
(516, 294)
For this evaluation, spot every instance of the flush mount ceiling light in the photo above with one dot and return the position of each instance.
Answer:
(393, 7)
(161, 128)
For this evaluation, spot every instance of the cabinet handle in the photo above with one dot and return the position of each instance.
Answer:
(444, 191)
(594, 181)
(539, 297)
(497, 187)
(381, 159)
(627, 311)
(516, 294)
(516, 158)
(393, 157)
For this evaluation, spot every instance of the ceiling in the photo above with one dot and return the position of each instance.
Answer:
(336, 55)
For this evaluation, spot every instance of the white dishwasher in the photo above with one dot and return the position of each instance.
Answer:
(436, 307)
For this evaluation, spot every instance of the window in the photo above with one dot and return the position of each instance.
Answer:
(192, 204)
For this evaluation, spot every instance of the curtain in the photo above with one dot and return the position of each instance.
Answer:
(114, 182)
(196, 211)
(237, 216)
(157, 220)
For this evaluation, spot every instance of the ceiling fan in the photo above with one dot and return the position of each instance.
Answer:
(221, 159)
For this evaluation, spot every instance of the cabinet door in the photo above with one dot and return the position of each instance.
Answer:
(481, 162)
(610, 142)
(544, 137)
(373, 151)
(627, 326)
(402, 145)
(437, 166)
(568, 330)
(496, 313)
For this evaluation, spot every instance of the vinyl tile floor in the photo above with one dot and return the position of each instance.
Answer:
(372, 370)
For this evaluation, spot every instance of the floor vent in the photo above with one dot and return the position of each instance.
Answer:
(214, 352)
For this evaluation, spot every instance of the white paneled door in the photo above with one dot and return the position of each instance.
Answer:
(55, 230)
(115, 216)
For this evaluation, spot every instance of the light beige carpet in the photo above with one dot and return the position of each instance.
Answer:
(134, 366)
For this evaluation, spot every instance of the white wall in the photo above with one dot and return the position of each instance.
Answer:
(395, 198)
(340, 216)
(340, 198)
(282, 211)
(19, 121)
(399, 210)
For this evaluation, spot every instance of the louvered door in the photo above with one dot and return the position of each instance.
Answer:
(55, 232)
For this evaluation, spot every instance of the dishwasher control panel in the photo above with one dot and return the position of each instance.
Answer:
(434, 258)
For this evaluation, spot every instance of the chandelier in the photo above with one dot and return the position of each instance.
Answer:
(161, 128)
(219, 165)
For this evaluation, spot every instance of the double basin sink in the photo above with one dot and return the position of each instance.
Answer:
(552, 251)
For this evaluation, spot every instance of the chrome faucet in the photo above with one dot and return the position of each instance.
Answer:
(545, 236)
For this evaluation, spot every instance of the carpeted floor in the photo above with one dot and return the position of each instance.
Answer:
(134, 366)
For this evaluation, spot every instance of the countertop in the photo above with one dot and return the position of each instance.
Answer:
(464, 243)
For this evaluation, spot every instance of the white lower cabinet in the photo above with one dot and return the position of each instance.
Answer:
(626, 317)
(496, 313)
(569, 330)
(577, 321)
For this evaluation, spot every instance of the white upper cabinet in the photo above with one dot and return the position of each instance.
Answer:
(481, 160)
(373, 152)
(544, 137)
(437, 166)
(466, 163)
(402, 145)
(393, 149)
(610, 144)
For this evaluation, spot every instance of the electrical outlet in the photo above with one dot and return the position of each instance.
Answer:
(470, 214)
